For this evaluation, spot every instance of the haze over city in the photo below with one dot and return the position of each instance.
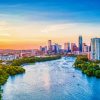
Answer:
(27, 24)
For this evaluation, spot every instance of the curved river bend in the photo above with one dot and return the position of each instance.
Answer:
(52, 80)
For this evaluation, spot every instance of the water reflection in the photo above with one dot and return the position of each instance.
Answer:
(46, 79)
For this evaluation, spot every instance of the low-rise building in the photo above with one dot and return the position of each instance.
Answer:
(8, 57)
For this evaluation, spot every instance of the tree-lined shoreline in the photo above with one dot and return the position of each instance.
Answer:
(15, 67)
(90, 68)
(26, 60)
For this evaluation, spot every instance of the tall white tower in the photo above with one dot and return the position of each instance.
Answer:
(95, 48)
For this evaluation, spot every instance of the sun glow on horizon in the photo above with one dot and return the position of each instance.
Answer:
(32, 35)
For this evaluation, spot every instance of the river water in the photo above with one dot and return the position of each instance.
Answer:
(52, 80)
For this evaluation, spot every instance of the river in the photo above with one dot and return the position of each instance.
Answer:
(52, 80)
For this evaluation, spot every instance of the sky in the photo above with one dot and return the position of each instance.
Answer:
(27, 24)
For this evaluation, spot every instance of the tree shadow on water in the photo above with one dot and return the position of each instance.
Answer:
(1, 91)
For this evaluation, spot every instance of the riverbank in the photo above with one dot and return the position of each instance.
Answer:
(90, 68)
(1, 91)
(21, 61)
(15, 66)
(6, 71)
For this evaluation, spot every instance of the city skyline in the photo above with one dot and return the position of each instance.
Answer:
(52, 42)
(28, 24)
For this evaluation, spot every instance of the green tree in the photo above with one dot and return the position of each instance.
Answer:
(97, 73)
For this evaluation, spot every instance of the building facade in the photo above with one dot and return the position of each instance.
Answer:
(85, 48)
(80, 43)
(95, 48)
(8, 57)
(67, 47)
(49, 45)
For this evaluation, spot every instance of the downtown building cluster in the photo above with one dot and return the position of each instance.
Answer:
(92, 51)
(67, 48)
(51, 49)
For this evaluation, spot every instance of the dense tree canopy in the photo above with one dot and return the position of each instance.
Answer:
(5, 71)
(91, 68)
(21, 61)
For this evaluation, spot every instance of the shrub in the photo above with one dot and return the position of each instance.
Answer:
(97, 73)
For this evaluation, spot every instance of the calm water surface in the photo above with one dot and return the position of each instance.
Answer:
(52, 80)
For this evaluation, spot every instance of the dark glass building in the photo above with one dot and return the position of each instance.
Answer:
(80, 43)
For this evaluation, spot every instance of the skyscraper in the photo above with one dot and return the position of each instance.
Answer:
(56, 48)
(50, 45)
(80, 43)
(85, 48)
(95, 48)
(67, 47)
(74, 47)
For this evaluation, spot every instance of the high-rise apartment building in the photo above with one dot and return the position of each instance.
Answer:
(85, 48)
(67, 47)
(50, 45)
(74, 47)
(95, 48)
(56, 48)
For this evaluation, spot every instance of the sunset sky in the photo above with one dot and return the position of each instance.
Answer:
(27, 24)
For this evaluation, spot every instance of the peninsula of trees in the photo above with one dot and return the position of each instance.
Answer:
(90, 68)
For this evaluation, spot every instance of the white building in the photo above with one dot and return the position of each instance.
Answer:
(95, 48)
(7, 57)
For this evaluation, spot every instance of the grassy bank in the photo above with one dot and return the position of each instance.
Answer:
(90, 68)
